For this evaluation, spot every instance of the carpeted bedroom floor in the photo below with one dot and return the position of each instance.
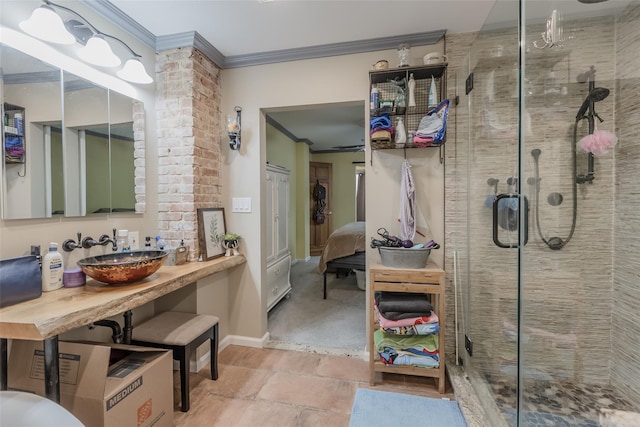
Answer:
(305, 321)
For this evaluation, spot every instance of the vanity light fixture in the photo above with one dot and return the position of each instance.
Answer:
(234, 128)
(98, 52)
(48, 24)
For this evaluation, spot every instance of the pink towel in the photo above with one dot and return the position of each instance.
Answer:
(386, 323)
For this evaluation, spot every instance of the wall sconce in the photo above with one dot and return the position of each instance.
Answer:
(233, 129)
(47, 24)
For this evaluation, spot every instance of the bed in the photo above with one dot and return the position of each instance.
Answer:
(345, 249)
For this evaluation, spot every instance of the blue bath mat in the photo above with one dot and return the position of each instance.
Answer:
(373, 408)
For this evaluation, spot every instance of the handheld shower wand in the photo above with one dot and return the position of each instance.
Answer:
(596, 94)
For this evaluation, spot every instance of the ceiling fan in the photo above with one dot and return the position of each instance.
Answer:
(358, 147)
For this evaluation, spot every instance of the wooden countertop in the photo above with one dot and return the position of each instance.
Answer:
(65, 309)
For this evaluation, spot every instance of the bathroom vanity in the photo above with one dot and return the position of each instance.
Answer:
(56, 312)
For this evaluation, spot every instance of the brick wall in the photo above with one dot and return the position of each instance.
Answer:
(188, 130)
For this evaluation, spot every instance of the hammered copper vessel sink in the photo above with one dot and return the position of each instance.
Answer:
(123, 267)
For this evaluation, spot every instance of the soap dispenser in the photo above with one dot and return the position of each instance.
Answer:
(182, 253)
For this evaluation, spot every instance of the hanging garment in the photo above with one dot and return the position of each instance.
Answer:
(407, 203)
(319, 196)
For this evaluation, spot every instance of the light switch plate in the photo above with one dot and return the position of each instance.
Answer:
(241, 204)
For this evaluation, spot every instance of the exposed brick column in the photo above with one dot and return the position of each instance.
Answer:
(188, 131)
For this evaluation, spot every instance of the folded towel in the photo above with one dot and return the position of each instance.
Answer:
(401, 305)
(409, 321)
(434, 124)
(418, 345)
(423, 329)
(383, 122)
(381, 136)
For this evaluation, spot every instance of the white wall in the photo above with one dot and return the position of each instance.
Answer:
(16, 236)
(317, 81)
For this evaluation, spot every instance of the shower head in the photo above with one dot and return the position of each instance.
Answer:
(597, 94)
(536, 153)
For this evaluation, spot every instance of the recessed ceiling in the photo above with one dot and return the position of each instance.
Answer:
(242, 27)
(329, 127)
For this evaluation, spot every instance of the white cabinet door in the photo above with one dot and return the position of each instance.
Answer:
(277, 223)
(282, 216)
(271, 220)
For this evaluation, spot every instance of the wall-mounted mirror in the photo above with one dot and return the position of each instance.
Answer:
(86, 147)
(31, 136)
(93, 164)
(122, 113)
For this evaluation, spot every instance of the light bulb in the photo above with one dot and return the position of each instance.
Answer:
(134, 72)
(47, 25)
(98, 52)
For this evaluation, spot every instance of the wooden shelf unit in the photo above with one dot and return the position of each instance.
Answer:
(428, 280)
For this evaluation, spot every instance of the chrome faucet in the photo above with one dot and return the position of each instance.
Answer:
(70, 244)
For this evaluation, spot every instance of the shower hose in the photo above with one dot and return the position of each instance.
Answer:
(556, 243)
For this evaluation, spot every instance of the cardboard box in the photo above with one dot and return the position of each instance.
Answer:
(102, 384)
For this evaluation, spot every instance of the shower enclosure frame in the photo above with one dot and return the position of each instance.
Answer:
(503, 294)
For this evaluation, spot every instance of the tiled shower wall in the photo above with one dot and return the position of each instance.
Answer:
(625, 324)
(569, 297)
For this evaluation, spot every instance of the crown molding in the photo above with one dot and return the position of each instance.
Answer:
(334, 49)
(193, 39)
(121, 19)
(285, 131)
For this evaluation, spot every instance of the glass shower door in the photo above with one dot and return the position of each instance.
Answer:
(579, 78)
(487, 149)
(544, 233)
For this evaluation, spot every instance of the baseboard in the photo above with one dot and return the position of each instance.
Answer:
(244, 341)
(205, 359)
(297, 260)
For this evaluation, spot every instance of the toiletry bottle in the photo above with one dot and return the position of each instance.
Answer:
(160, 243)
(373, 105)
(412, 91)
(52, 269)
(433, 94)
(18, 123)
(123, 241)
(401, 133)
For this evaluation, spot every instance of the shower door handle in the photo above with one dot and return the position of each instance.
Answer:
(503, 216)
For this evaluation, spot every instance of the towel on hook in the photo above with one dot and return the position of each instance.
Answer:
(407, 203)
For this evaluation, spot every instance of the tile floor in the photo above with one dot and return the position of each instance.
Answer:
(273, 387)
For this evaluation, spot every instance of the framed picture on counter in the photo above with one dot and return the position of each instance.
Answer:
(211, 231)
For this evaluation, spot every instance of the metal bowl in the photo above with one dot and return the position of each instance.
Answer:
(122, 267)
